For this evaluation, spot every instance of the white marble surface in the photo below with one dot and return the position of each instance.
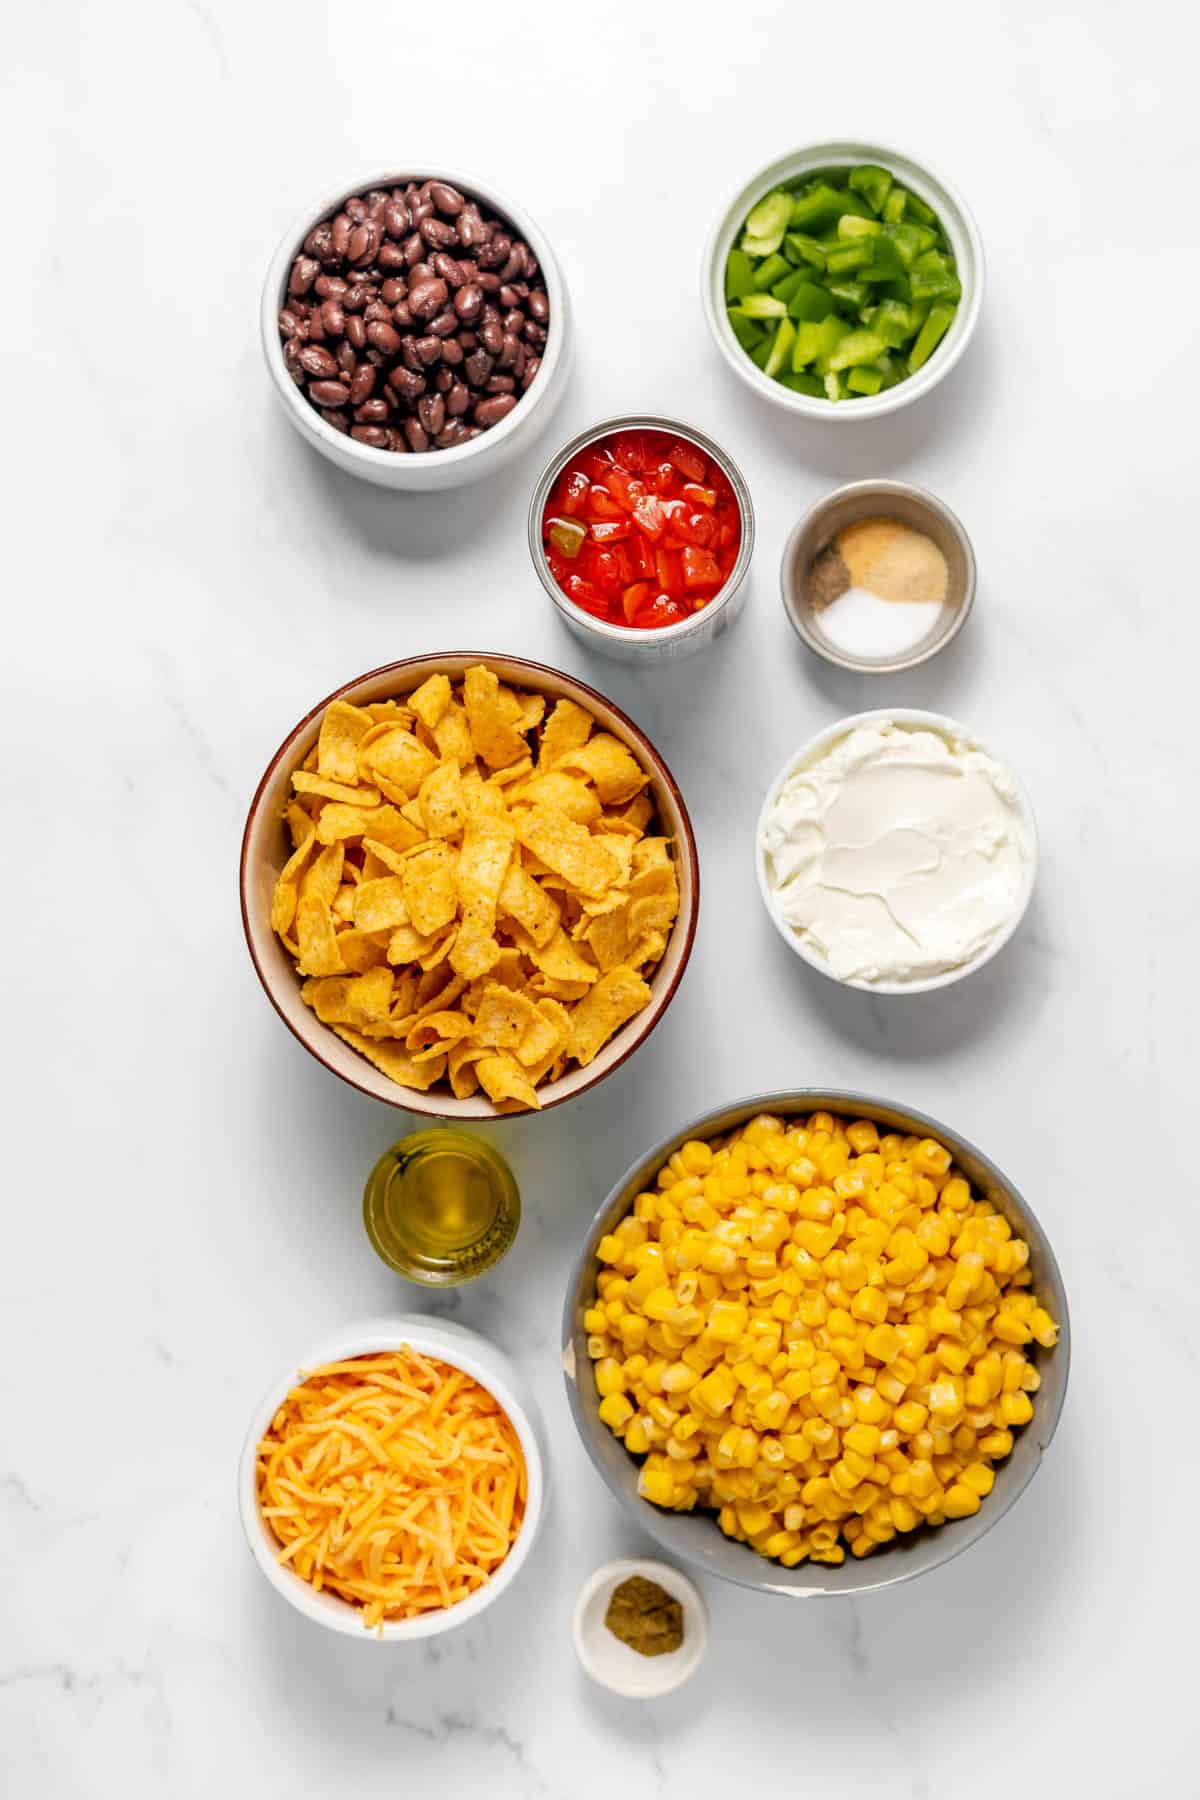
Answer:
(185, 579)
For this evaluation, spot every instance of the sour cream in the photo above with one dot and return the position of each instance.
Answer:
(898, 853)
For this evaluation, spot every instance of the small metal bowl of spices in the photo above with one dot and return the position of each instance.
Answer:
(641, 1628)
(878, 577)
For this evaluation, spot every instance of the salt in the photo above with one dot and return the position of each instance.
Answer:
(861, 624)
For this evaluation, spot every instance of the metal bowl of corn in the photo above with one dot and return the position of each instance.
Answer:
(663, 1380)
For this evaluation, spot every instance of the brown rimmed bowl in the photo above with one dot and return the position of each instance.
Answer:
(265, 850)
(695, 1538)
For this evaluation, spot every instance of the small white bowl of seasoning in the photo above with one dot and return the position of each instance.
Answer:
(648, 1602)
(877, 577)
(895, 852)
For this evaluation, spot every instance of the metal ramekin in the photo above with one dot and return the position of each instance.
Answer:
(670, 643)
(695, 1537)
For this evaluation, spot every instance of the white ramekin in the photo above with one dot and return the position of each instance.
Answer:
(464, 1350)
(960, 228)
(669, 643)
(430, 470)
(817, 746)
(616, 1666)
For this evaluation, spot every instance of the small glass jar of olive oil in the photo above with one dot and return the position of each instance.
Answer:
(441, 1207)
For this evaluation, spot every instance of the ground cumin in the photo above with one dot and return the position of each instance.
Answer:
(644, 1616)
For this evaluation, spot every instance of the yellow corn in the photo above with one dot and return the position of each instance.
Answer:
(817, 1332)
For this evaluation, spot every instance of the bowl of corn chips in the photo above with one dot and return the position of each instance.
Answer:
(469, 885)
(816, 1343)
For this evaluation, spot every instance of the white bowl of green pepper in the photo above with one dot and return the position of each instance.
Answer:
(844, 280)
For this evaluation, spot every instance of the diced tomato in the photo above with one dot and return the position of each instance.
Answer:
(666, 567)
(688, 460)
(604, 569)
(641, 556)
(700, 568)
(630, 452)
(625, 488)
(601, 505)
(699, 496)
(662, 611)
(663, 529)
(585, 594)
(634, 599)
(649, 516)
(574, 489)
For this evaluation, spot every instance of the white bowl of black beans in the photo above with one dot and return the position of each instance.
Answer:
(416, 327)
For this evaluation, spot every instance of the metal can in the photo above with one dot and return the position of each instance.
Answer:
(667, 643)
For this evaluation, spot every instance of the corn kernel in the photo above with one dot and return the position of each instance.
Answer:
(616, 1411)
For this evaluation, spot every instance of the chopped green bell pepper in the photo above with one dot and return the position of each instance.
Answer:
(767, 223)
(856, 347)
(885, 263)
(769, 270)
(917, 209)
(810, 301)
(893, 322)
(835, 387)
(851, 226)
(895, 206)
(845, 258)
(865, 380)
(832, 330)
(762, 306)
(799, 247)
(747, 333)
(807, 345)
(822, 207)
(781, 348)
(848, 293)
(739, 275)
(804, 384)
(761, 352)
(932, 277)
(930, 336)
(873, 183)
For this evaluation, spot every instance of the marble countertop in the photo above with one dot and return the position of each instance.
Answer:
(186, 578)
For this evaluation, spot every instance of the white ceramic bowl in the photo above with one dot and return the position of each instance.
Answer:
(668, 643)
(831, 156)
(613, 1664)
(464, 1350)
(429, 470)
(265, 850)
(817, 746)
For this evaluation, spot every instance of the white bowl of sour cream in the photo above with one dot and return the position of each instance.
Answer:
(895, 852)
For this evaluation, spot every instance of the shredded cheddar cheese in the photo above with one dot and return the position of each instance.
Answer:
(393, 1481)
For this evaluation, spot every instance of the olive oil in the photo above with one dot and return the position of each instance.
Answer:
(441, 1207)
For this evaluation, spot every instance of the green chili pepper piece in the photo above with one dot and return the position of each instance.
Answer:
(770, 269)
(762, 306)
(810, 300)
(739, 274)
(873, 183)
(801, 248)
(930, 336)
(785, 337)
(567, 536)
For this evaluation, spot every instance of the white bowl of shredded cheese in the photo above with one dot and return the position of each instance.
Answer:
(895, 853)
(458, 1353)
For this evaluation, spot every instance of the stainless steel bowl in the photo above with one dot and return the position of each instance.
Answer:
(669, 643)
(695, 1537)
